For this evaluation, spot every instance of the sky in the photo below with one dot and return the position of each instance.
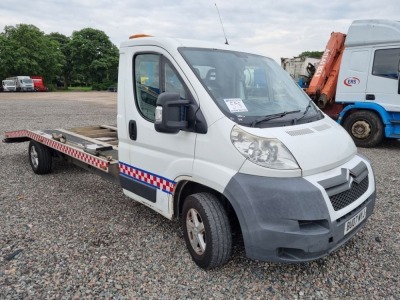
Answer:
(277, 28)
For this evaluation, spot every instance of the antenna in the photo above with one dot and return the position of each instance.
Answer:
(223, 30)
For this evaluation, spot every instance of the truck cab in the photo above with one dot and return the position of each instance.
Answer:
(22, 83)
(218, 135)
(8, 85)
(38, 84)
(368, 83)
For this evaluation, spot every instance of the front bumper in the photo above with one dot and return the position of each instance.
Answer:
(27, 89)
(295, 219)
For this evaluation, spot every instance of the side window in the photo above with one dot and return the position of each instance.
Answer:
(386, 62)
(173, 83)
(149, 84)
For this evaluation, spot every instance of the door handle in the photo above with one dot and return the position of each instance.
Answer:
(369, 97)
(132, 130)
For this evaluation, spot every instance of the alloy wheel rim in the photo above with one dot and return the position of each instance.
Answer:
(34, 157)
(196, 231)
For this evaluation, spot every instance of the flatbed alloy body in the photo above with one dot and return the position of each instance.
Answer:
(94, 147)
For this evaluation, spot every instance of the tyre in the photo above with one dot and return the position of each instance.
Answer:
(207, 230)
(40, 158)
(365, 127)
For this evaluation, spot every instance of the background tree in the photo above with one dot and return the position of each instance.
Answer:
(94, 58)
(86, 58)
(5, 58)
(25, 50)
(312, 54)
(64, 45)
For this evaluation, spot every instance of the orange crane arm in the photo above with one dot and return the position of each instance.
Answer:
(322, 87)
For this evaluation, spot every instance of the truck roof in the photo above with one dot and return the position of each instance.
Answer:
(373, 32)
(174, 43)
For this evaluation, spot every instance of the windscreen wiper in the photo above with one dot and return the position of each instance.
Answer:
(306, 111)
(304, 114)
(273, 116)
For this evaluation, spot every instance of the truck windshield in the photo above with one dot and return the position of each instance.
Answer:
(8, 82)
(249, 88)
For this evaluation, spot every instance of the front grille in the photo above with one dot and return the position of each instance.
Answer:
(345, 198)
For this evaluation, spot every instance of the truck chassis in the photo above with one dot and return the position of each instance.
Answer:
(94, 148)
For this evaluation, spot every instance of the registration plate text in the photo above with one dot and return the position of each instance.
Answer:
(354, 221)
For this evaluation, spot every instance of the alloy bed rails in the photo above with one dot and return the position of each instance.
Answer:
(93, 148)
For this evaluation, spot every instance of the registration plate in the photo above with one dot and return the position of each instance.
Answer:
(354, 221)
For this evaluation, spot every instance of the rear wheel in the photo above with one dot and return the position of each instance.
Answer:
(40, 158)
(207, 230)
(365, 127)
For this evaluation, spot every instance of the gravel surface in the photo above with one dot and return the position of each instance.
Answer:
(72, 235)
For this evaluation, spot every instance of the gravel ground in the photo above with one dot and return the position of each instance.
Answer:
(74, 235)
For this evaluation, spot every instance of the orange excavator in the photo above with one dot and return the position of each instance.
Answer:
(322, 88)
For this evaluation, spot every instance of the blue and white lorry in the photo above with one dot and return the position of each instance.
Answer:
(357, 81)
(222, 138)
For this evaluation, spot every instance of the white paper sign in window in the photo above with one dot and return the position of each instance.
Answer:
(235, 105)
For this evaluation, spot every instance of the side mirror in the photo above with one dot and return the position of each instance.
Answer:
(171, 113)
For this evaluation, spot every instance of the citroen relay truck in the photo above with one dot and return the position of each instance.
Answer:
(222, 138)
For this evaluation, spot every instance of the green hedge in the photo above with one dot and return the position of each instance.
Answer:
(103, 86)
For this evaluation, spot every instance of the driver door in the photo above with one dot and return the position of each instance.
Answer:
(150, 161)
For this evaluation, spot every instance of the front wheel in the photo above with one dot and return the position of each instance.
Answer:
(365, 127)
(40, 158)
(207, 230)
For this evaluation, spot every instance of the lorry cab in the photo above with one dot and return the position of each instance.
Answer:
(212, 133)
(368, 83)
(23, 83)
(8, 85)
(38, 84)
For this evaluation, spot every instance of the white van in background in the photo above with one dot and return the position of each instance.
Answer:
(22, 83)
(8, 85)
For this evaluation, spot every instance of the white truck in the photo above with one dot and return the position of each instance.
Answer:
(357, 81)
(223, 139)
(8, 85)
(299, 68)
(22, 83)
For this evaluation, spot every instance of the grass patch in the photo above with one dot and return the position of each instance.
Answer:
(77, 89)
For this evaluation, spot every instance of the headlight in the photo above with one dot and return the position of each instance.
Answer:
(269, 153)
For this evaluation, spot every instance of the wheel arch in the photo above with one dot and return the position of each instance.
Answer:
(54, 153)
(186, 187)
(366, 123)
(378, 109)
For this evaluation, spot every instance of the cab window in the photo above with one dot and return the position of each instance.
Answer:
(154, 74)
(386, 62)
